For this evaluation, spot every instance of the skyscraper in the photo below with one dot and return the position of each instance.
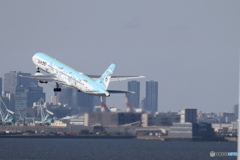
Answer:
(235, 110)
(67, 96)
(26, 96)
(151, 101)
(134, 98)
(79, 100)
(85, 102)
(0, 86)
(13, 80)
(21, 91)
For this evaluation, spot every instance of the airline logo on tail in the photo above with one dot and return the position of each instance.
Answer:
(106, 76)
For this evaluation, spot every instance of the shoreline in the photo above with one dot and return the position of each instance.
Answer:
(121, 137)
(68, 137)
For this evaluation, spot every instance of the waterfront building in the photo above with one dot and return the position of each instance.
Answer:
(151, 100)
(134, 98)
(188, 115)
(229, 117)
(191, 130)
(166, 120)
(234, 125)
(159, 119)
(110, 118)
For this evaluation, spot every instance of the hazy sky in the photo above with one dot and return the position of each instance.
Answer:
(190, 47)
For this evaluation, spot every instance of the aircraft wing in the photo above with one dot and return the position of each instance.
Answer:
(116, 78)
(117, 91)
(45, 77)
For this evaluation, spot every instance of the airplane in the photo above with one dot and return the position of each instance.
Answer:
(62, 74)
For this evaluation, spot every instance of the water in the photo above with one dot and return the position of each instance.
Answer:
(110, 149)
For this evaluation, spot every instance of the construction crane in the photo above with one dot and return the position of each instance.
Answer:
(42, 112)
(7, 115)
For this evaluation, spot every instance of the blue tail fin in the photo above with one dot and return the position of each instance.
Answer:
(104, 80)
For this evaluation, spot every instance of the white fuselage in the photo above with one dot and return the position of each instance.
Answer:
(68, 75)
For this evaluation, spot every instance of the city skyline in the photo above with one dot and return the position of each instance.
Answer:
(190, 48)
(74, 100)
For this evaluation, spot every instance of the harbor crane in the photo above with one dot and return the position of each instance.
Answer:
(21, 118)
(6, 115)
(42, 112)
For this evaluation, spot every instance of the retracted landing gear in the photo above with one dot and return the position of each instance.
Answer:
(57, 89)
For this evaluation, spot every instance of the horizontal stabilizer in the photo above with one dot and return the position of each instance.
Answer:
(117, 91)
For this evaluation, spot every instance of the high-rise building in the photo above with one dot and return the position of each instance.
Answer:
(235, 110)
(85, 102)
(151, 100)
(67, 96)
(134, 98)
(13, 80)
(26, 96)
(0, 86)
(79, 100)
(188, 115)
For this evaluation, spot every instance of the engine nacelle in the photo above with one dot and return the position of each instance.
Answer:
(40, 81)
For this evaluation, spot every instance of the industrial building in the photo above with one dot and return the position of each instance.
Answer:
(110, 118)
(188, 115)
(191, 130)
(159, 119)
(229, 117)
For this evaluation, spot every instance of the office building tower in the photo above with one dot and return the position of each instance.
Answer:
(228, 117)
(151, 100)
(235, 110)
(67, 96)
(79, 100)
(85, 102)
(0, 86)
(26, 96)
(13, 80)
(134, 98)
(188, 115)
